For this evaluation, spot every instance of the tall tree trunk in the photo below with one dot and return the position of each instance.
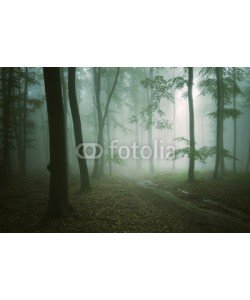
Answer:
(109, 142)
(108, 136)
(174, 121)
(99, 163)
(84, 175)
(97, 84)
(110, 93)
(137, 139)
(7, 93)
(24, 123)
(191, 126)
(150, 131)
(65, 107)
(17, 126)
(234, 119)
(222, 169)
(218, 72)
(58, 205)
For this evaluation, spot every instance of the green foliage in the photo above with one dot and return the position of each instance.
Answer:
(159, 87)
(182, 139)
(227, 113)
(163, 124)
(230, 85)
(153, 115)
(201, 154)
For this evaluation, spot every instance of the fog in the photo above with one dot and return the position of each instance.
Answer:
(130, 109)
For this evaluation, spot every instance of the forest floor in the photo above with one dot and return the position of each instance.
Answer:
(163, 203)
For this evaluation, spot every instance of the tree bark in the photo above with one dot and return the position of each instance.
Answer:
(222, 169)
(98, 163)
(7, 93)
(191, 126)
(109, 141)
(137, 138)
(65, 108)
(24, 123)
(97, 84)
(218, 72)
(150, 131)
(234, 120)
(82, 163)
(58, 205)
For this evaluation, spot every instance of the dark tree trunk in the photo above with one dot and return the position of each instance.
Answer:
(218, 72)
(17, 126)
(222, 169)
(84, 175)
(235, 119)
(191, 126)
(58, 205)
(7, 95)
(97, 84)
(24, 123)
(65, 107)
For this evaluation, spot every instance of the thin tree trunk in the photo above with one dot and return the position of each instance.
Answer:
(97, 84)
(248, 158)
(84, 175)
(24, 123)
(108, 135)
(234, 120)
(7, 92)
(137, 141)
(191, 126)
(65, 107)
(17, 126)
(150, 131)
(174, 121)
(109, 142)
(58, 205)
(98, 164)
(222, 169)
(218, 121)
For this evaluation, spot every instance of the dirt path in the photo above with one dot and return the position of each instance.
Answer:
(202, 216)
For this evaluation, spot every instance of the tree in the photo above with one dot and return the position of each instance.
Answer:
(65, 107)
(221, 83)
(152, 115)
(191, 125)
(237, 75)
(165, 89)
(7, 88)
(101, 116)
(20, 108)
(219, 78)
(150, 119)
(58, 205)
(84, 175)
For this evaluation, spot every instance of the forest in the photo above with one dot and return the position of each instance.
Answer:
(124, 149)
